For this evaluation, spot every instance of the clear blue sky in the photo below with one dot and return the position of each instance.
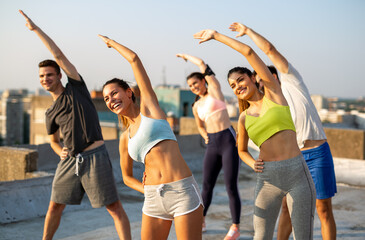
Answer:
(323, 39)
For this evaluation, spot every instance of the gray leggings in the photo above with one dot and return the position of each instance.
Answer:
(290, 178)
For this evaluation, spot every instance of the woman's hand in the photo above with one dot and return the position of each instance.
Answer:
(197, 61)
(206, 139)
(205, 35)
(30, 24)
(258, 165)
(238, 27)
(64, 153)
(183, 56)
(106, 40)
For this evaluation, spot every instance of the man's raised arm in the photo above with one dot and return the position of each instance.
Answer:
(60, 58)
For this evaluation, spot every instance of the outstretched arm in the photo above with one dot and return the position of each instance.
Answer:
(254, 60)
(195, 60)
(60, 58)
(267, 47)
(149, 102)
(211, 79)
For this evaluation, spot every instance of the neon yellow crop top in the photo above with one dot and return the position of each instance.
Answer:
(273, 118)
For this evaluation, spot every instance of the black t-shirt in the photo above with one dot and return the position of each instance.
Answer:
(75, 114)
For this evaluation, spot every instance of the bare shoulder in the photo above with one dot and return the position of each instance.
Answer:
(123, 140)
(242, 117)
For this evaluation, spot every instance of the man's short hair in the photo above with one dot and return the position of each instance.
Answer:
(50, 63)
(272, 70)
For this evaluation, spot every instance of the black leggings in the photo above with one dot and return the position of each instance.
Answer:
(222, 152)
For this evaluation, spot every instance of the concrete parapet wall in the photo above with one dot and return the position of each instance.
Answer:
(346, 143)
(350, 171)
(25, 199)
(188, 126)
(17, 163)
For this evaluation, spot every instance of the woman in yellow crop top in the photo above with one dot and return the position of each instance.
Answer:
(214, 125)
(280, 167)
(170, 190)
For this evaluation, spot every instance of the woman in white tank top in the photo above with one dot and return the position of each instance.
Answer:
(171, 193)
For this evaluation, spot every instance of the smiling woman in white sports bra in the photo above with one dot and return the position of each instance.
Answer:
(214, 125)
(171, 193)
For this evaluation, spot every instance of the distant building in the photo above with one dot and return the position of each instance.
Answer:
(319, 102)
(13, 117)
(40, 104)
(175, 101)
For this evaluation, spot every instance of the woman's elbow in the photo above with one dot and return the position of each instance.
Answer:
(133, 58)
(127, 181)
(248, 51)
(268, 48)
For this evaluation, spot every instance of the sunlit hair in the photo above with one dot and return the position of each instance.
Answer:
(124, 85)
(50, 63)
(201, 77)
(242, 104)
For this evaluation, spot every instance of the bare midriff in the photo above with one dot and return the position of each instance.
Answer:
(94, 145)
(309, 144)
(281, 146)
(218, 122)
(164, 164)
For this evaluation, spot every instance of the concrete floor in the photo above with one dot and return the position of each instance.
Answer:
(85, 223)
(90, 224)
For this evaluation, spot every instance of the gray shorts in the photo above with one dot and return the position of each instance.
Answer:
(169, 200)
(94, 176)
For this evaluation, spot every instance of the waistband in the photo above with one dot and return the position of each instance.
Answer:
(92, 151)
(230, 129)
(79, 158)
(285, 163)
(171, 185)
(322, 147)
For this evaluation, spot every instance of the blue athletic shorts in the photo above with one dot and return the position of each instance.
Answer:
(320, 164)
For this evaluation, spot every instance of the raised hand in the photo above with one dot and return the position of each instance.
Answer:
(183, 56)
(192, 59)
(30, 24)
(205, 35)
(238, 27)
(106, 40)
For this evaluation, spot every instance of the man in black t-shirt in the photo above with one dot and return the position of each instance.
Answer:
(85, 164)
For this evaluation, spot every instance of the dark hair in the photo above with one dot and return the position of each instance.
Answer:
(199, 76)
(50, 63)
(242, 104)
(124, 85)
(241, 70)
(272, 69)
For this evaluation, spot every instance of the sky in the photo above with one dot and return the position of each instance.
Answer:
(324, 40)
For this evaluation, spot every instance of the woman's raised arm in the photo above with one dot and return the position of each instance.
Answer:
(254, 60)
(149, 102)
(212, 81)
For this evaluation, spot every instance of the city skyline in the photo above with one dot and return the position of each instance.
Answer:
(323, 40)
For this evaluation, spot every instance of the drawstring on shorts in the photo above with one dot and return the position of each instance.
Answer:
(79, 160)
(160, 189)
